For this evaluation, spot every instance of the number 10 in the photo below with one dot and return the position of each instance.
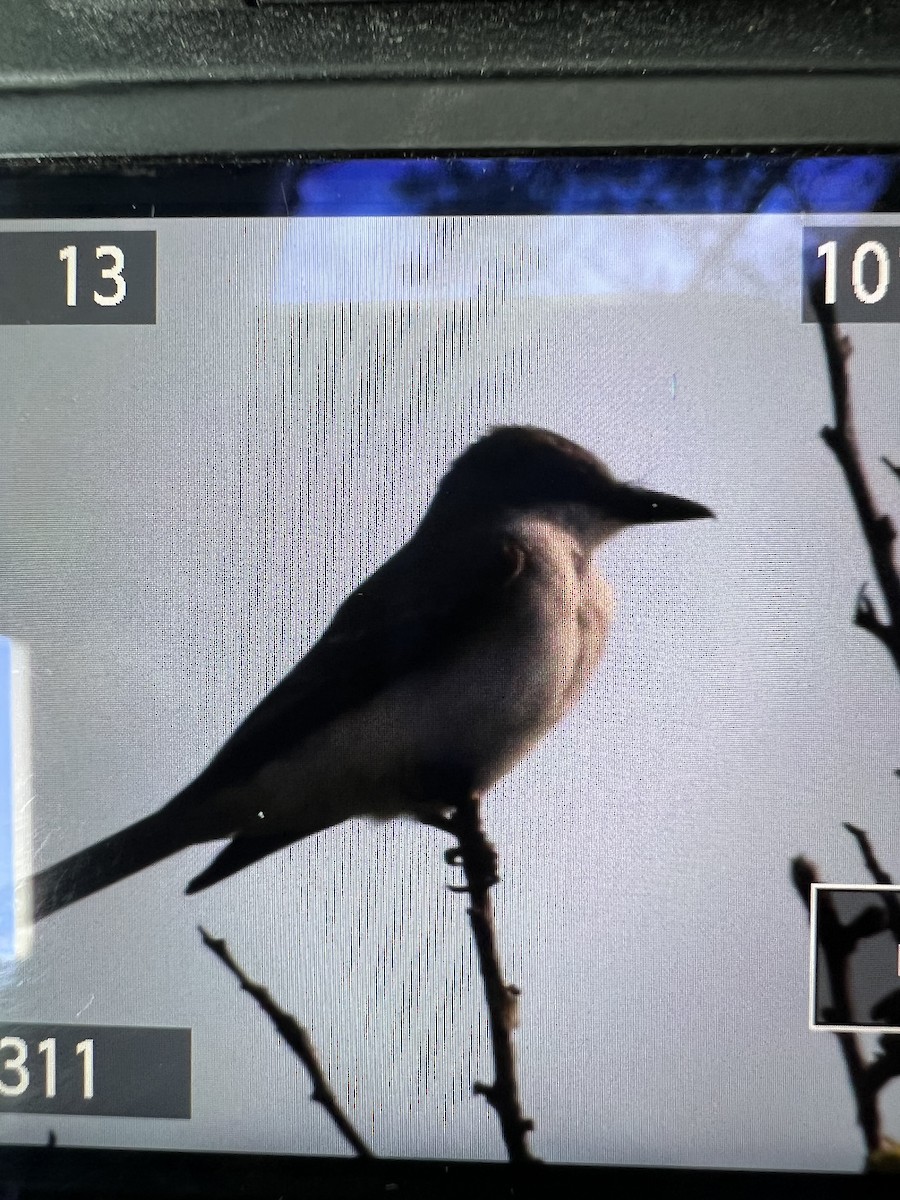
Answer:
(865, 295)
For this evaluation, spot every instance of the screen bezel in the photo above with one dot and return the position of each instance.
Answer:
(837, 112)
(49, 1169)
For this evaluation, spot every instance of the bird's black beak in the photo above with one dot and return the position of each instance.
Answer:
(640, 506)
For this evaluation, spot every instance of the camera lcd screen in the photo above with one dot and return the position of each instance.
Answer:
(344, 499)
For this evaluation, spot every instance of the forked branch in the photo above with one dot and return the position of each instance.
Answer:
(877, 527)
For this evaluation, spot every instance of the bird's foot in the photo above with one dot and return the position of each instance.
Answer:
(481, 861)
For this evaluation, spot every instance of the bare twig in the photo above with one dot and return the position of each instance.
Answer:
(877, 527)
(891, 465)
(867, 618)
(478, 859)
(838, 942)
(837, 945)
(297, 1038)
(886, 1065)
(880, 875)
(873, 866)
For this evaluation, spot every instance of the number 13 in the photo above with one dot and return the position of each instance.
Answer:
(69, 255)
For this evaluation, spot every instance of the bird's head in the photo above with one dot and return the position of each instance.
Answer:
(523, 470)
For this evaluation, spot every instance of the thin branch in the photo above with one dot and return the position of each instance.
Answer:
(891, 465)
(837, 945)
(878, 528)
(478, 859)
(873, 866)
(886, 1066)
(865, 617)
(297, 1038)
(879, 875)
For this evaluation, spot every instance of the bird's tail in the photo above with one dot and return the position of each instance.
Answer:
(140, 845)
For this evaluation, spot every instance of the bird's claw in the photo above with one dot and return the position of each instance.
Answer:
(485, 861)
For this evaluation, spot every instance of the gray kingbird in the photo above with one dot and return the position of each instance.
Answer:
(435, 676)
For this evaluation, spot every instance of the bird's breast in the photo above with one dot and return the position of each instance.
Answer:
(475, 712)
(484, 708)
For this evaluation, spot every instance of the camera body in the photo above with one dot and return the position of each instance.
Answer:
(107, 107)
(145, 79)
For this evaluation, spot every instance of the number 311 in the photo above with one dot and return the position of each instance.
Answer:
(15, 1064)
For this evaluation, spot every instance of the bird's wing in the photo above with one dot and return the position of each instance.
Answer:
(418, 607)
